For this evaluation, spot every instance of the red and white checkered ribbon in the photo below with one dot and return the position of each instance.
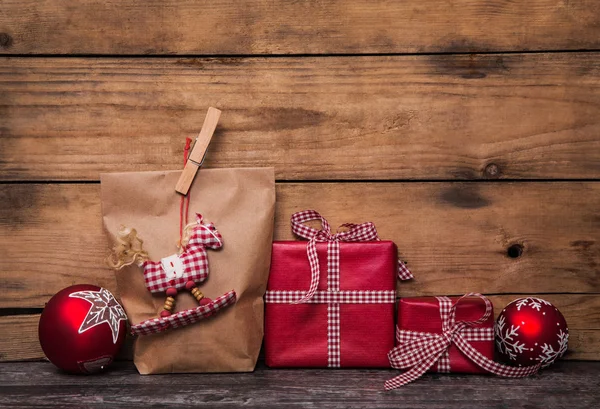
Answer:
(332, 297)
(420, 350)
(354, 233)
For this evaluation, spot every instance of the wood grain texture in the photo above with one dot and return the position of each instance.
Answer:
(453, 235)
(298, 27)
(584, 345)
(582, 313)
(448, 117)
(19, 338)
(565, 384)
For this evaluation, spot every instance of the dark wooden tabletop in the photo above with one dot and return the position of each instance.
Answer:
(570, 384)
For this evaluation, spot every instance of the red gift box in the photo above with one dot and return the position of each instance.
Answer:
(422, 315)
(297, 335)
(330, 301)
(446, 334)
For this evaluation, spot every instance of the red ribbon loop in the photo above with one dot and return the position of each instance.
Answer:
(419, 351)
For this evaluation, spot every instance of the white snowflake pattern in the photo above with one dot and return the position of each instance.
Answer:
(535, 303)
(104, 309)
(549, 355)
(507, 340)
(522, 302)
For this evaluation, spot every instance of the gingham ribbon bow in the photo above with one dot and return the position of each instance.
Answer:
(420, 350)
(355, 232)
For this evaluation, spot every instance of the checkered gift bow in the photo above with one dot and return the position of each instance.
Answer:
(420, 350)
(354, 233)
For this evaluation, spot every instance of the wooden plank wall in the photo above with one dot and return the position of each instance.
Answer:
(467, 130)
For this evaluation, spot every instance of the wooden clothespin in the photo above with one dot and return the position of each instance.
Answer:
(198, 151)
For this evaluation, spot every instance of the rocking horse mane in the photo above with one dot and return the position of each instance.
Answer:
(128, 249)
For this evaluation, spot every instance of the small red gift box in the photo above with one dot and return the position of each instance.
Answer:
(423, 315)
(337, 312)
(446, 334)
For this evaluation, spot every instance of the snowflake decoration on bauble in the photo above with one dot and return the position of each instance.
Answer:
(549, 355)
(535, 303)
(506, 340)
(531, 331)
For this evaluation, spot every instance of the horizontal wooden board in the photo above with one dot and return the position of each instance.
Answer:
(582, 313)
(19, 338)
(584, 345)
(443, 117)
(454, 236)
(284, 27)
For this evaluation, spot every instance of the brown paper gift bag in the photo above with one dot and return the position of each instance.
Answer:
(240, 203)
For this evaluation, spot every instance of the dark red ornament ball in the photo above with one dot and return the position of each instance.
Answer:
(82, 328)
(531, 331)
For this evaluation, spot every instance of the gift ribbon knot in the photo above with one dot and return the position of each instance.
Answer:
(419, 351)
(448, 336)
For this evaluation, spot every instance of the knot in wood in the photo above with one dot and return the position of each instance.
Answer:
(514, 251)
(5, 40)
(492, 170)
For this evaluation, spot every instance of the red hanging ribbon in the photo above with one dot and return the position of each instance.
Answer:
(184, 205)
(354, 233)
(420, 350)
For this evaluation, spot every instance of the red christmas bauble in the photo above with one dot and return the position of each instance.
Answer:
(82, 328)
(531, 331)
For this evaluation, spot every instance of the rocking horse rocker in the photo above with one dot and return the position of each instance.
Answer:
(174, 273)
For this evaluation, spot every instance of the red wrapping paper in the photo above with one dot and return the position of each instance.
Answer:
(296, 334)
(422, 314)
